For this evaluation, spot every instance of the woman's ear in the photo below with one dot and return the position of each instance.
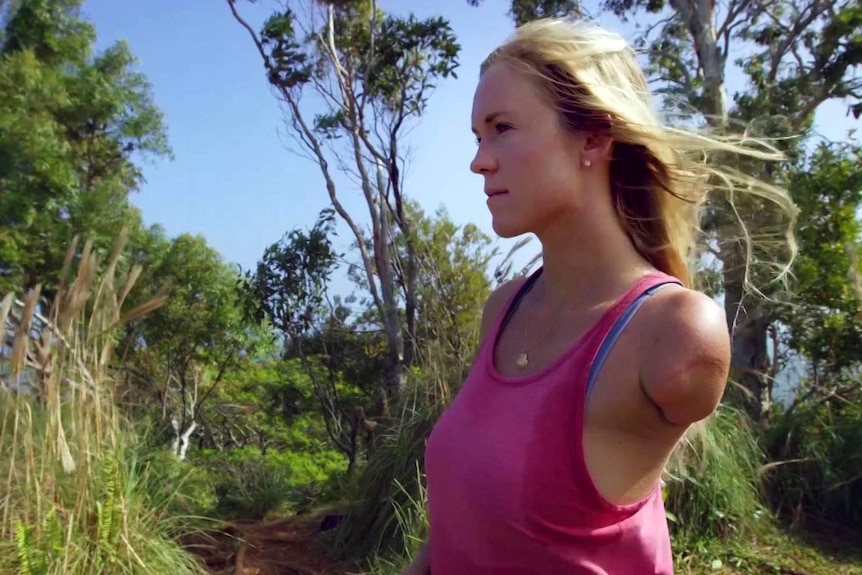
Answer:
(596, 148)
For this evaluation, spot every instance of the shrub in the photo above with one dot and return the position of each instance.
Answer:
(76, 496)
(713, 489)
(817, 470)
(386, 513)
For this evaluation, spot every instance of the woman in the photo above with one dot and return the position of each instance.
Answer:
(591, 370)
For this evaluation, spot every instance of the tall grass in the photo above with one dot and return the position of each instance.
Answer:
(412, 524)
(387, 497)
(386, 517)
(75, 495)
(817, 478)
(714, 489)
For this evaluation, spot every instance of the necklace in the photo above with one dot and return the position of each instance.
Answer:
(523, 359)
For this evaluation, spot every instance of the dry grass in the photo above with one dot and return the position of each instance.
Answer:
(76, 497)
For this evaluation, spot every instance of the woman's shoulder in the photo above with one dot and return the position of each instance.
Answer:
(685, 346)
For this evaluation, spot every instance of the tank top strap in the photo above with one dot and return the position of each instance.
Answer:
(515, 301)
(612, 324)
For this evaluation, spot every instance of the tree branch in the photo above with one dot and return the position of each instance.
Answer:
(313, 144)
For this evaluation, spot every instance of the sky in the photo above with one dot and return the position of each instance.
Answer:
(232, 178)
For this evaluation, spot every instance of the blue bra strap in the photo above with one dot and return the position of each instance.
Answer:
(615, 332)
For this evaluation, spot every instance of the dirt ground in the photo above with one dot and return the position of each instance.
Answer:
(292, 547)
(288, 547)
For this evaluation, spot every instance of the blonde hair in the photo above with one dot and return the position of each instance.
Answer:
(591, 76)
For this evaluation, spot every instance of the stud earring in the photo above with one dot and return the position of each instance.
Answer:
(587, 163)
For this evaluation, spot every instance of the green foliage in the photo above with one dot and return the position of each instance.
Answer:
(51, 28)
(263, 443)
(78, 497)
(255, 485)
(818, 464)
(411, 518)
(452, 284)
(71, 124)
(176, 358)
(383, 514)
(713, 490)
(523, 11)
(395, 60)
(374, 73)
(251, 486)
(831, 42)
(200, 320)
(794, 55)
(825, 325)
(288, 288)
(122, 517)
(191, 486)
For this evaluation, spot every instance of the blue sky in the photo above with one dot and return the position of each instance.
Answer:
(232, 179)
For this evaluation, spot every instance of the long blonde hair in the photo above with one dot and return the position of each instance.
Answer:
(591, 76)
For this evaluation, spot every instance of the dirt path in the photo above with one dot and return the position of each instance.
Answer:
(288, 547)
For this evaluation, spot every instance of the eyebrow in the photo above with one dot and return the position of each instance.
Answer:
(491, 117)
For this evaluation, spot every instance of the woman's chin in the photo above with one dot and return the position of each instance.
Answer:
(505, 228)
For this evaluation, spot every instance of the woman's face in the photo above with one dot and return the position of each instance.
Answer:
(530, 163)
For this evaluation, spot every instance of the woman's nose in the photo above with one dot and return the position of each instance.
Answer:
(482, 162)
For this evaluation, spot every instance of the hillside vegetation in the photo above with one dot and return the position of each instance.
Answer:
(161, 412)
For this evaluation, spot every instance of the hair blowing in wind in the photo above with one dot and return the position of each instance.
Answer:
(666, 174)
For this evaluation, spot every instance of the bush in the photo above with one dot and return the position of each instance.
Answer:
(77, 498)
(714, 490)
(817, 472)
(386, 515)
(251, 485)
(251, 489)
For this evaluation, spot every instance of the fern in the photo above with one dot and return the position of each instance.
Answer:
(108, 513)
(23, 543)
(52, 529)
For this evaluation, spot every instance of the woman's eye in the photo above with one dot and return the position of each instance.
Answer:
(498, 128)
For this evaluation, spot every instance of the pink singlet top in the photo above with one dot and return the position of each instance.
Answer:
(508, 488)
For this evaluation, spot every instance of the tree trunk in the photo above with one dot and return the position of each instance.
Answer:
(182, 438)
(750, 365)
(383, 250)
(699, 19)
(749, 327)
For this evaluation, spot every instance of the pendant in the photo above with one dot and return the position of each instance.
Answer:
(522, 360)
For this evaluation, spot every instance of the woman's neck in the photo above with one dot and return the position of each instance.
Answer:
(586, 259)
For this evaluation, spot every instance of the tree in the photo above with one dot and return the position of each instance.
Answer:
(799, 54)
(523, 11)
(182, 353)
(825, 324)
(373, 73)
(452, 287)
(802, 53)
(71, 124)
(289, 289)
